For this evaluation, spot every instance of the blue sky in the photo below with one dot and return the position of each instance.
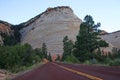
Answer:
(107, 12)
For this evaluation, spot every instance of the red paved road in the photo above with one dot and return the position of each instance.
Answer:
(50, 71)
(103, 72)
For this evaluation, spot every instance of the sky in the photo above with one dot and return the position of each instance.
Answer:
(107, 12)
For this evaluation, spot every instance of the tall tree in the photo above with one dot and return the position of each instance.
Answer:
(44, 50)
(58, 57)
(50, 57)
(67, 47)
(88, 39)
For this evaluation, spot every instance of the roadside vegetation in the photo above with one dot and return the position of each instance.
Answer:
(20, 57)
(87, 41)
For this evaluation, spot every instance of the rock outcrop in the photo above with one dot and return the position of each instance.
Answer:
(4, 28)
(113, 38)
(51, 27)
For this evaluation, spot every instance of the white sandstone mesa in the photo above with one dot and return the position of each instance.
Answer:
(51, 27)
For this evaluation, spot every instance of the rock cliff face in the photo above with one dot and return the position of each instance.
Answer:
(113, 38)
(4, 28)
(51, 27)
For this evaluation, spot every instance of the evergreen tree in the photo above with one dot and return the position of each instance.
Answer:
(38, 52)
(88, 39)
(50, 57)
(67, 47)
(58, 57)
(44, 50)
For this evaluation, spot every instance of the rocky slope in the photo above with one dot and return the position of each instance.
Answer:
(4, 28)
(113, 38)
(51, 27)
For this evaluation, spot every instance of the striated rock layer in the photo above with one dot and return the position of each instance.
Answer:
(51, 27)
(113, 38)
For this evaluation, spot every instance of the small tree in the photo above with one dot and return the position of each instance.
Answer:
(50, 57)
(44, 50)
(67, 47)
(58, 57)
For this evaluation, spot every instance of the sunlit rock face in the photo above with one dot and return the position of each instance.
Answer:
(51, 27)
(113, 38)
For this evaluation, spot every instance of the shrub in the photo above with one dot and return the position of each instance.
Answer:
(87, 62)
(13, 58)
(115, 62)
(91, 61)
(71, 59)
(107, 60)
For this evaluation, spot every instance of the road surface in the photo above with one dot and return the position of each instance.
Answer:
(61, 71)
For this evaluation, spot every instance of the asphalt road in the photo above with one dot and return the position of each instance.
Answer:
(61, 71)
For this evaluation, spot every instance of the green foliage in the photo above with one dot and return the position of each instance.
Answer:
(13, 57)
(8, 39)
(107, 60)
(58, 58)
(115, 62)
(102, 43)
(92, 61)
(16, 32)
(17, 36)
(71, 59)
(50, 57)
(67, 47)
(38, 52)
(44, 50)
(87, 62)
(114, 58)
(88, 40)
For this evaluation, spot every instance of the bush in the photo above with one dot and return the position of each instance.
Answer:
(107, 60)
(115, 62)
(71, 59)
(87, 62)
(91, 61)
(13, 58)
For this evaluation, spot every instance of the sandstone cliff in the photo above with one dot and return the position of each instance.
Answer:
(113, 38)
(50, 27)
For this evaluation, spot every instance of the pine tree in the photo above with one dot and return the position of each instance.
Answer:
(50, 57)
(44, 50)
(58, 57)
(67, 47)
(88, 39)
